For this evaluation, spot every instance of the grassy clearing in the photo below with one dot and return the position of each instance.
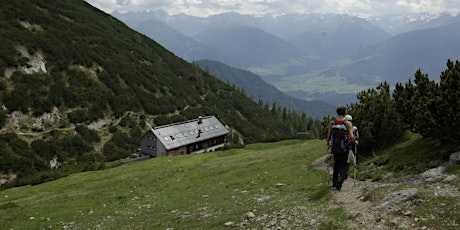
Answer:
(202, 191)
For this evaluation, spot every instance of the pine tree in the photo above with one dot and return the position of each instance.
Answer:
(447, 113)
(376, 117)
(404, 102)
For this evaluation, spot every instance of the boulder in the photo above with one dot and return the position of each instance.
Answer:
(433, 174)
(397, 198)
(454, 158)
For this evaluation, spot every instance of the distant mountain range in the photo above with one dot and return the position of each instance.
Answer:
(396, 59)
(402, 23)
(258, 89)
(327, 57)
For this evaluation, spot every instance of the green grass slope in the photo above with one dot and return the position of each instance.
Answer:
(411, 154)
(194, 191)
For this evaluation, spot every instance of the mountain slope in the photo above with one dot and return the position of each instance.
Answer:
(79, 88)
(127, 69)
(334, 37)
(176, 42)
(248, 46)
(257, 89)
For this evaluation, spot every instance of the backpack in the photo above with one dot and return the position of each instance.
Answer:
(339, 137)
(355, 132)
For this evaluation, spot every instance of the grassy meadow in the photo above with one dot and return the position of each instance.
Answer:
(261, 185)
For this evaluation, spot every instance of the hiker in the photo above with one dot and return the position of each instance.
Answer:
(339, 134)
(348, 117)
(352, 151)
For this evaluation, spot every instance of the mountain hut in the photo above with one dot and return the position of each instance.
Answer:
(204, 134)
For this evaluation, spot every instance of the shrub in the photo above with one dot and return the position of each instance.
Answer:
(89, 135)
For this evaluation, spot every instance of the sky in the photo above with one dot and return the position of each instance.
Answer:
(203, 8)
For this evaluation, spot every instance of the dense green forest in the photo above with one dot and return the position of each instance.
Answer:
(78, 88)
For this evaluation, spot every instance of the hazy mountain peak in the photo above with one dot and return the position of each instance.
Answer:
(401, 23)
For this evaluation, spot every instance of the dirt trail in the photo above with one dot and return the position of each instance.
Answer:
(351, 197)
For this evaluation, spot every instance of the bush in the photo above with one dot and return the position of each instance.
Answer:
(89, 135)
(112, 152)
(3, 116)
(78, 116)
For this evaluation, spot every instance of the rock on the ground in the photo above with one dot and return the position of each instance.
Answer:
(250, 215)
(454, 158)
(433, 174)
(396, 198)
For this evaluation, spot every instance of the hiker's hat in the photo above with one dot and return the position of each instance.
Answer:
(348, 117)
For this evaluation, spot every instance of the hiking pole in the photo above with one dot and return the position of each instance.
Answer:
(354, 160)
(327, 161)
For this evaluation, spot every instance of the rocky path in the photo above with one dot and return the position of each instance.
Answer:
(362, 214)
(393, 209)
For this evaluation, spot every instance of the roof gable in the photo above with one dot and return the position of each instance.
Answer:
(184, 133)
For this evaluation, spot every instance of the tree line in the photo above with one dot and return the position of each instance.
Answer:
(423, 106)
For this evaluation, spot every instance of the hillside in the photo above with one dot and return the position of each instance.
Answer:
(79, 88)
(176, 42)
(281, 185)
(258, 89)
(334, 37)
(248, 46)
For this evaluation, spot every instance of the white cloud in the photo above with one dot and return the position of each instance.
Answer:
(209, 7)
(417, 6)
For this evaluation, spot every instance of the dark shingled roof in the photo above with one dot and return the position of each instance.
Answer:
(184, 133)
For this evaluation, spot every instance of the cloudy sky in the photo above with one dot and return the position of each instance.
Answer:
(210, 7)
